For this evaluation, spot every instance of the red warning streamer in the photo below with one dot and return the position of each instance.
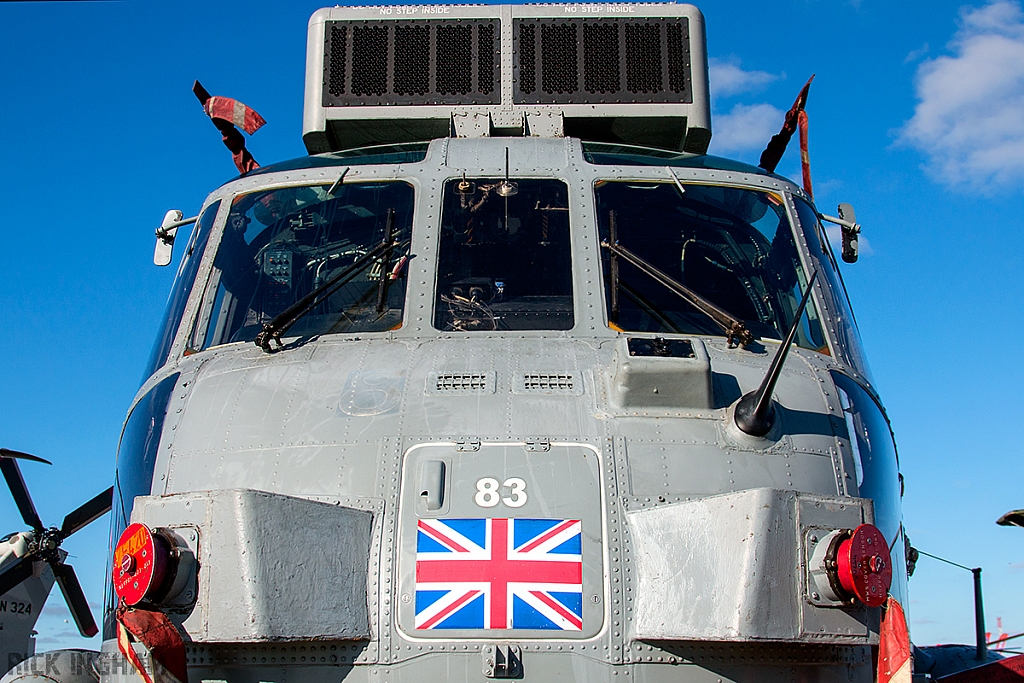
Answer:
(159, 636)
(805, 157)
(894, 646)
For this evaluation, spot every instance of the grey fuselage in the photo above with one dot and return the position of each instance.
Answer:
(300, 477)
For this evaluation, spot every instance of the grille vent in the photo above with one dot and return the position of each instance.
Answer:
(602, 61)
(416, 61)
(550, 383)
(461, 383)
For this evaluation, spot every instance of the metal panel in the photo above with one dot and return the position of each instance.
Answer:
(560, 483)
(273, 568)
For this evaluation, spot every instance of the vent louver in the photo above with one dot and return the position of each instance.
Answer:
(602, 61)
(618, 73)
(412, 62)
(461, 383)
(548, 382)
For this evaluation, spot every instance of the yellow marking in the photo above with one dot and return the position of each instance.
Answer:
(615, 327)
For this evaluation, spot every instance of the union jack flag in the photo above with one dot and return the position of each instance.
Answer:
(499, 574)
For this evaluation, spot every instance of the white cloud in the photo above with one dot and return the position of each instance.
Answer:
(969, 120)
(748, 127)
(728, 78)
(915, 55)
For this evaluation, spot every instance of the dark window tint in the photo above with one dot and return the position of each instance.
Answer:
(605, 154)
(409, 153)
(504, 261)
(181, 289)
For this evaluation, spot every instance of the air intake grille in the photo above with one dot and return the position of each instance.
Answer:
(602, 61)
(410, 62)
(543, 382)
(461, 383)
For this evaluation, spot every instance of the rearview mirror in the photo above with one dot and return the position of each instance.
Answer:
(847, 221)
(850, 232)
(165, 236)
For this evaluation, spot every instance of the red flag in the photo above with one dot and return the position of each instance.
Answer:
(894, 645)
(159, 636)
(805, 157)
(225, 114)
(227, 109)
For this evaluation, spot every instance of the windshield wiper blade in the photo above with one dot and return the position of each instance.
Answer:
(736, 332)
(280, 323)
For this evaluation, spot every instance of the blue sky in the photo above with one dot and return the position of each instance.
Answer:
(916, 118)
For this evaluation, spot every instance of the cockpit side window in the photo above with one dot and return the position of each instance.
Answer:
(182, 288)
(504, 256)
(732, 246)
(280, 245)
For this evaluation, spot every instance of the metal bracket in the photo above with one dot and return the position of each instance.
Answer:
(467, 446)
(538, 446)
(502, 660)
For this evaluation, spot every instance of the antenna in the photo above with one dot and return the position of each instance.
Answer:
(755, 414)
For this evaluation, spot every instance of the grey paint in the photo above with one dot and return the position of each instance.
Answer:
(256, 560)
(720, 568)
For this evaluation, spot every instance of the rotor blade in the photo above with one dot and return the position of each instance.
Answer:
(15, 573)
(8, 453)
(73, 595)
(15, 482)
(87, 513)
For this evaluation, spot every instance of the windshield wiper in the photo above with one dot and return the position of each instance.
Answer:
(736, 332)
(280, 323)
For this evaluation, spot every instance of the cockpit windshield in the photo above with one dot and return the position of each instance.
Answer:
(279, 245)
(733, 247)
(504, 257)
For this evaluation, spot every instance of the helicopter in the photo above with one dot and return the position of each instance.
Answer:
(508, 378)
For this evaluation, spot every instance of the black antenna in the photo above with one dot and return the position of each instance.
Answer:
(755, 414)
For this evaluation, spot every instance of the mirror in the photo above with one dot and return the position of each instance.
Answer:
(165, 235)
(850, 232)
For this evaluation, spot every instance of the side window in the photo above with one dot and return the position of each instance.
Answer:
(876, 465)
(850, 348)
(133, 475)
(504, 260)
(181, 289)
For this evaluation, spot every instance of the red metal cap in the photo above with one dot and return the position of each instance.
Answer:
(864, 565)
(140, 564)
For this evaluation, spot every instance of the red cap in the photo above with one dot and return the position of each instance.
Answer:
(864, 565)
(140, 564)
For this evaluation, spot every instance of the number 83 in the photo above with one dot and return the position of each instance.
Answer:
(488, 495)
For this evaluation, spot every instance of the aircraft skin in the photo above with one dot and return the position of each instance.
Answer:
(337, 492)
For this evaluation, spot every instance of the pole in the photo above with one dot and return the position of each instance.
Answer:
(979, 617)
